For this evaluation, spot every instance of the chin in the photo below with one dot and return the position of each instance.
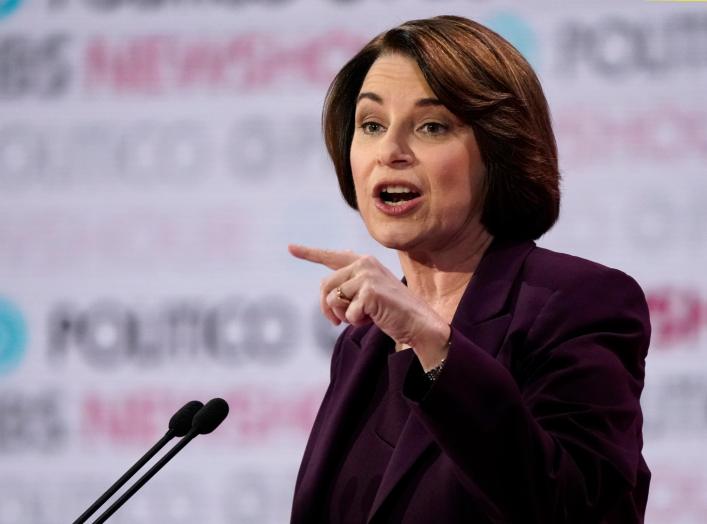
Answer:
(401, 234)
(392, 239)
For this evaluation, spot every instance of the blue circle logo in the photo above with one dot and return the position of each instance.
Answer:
(7, 7)
(13, 336)
(514, 29)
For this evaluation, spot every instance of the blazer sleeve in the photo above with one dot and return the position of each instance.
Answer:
(558, 436)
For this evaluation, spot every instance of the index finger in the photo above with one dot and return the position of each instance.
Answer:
(328, 257)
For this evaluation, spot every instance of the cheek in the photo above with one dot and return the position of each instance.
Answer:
(358, 182)
(454, 177)
(359, 168)
(458, 184)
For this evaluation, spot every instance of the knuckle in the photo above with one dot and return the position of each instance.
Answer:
(367, 290)
(351, 317)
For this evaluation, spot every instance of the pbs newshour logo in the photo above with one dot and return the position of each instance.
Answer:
(13, 336)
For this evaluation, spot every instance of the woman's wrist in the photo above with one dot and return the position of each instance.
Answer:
(435, 372)
(432, 346)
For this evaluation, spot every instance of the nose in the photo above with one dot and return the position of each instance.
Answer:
(394, 150)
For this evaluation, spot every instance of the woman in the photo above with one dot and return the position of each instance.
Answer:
(499, 382)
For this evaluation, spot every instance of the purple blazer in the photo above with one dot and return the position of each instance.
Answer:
(535, 417)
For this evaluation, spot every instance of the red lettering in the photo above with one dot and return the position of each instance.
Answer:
(137, 418)
(257, 416)
(662, 134)
(157, 65)
(132, 67)
(677, 315)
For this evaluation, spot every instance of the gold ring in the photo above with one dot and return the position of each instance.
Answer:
(340, 295)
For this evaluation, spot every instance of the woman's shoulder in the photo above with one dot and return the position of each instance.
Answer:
(561, 271)
(570, 296)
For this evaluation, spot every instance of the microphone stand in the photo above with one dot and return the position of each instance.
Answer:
(147, 476)
(126, 476)
(179, 425)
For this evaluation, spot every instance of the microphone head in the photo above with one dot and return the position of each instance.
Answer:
(181, 421)
(210, 416)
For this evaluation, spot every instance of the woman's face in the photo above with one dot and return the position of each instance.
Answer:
(416, 167)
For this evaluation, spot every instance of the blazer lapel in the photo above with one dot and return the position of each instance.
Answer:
(414, 441)
(490, 287)
(484, 298)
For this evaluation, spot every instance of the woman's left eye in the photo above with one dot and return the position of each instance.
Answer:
(433, 128)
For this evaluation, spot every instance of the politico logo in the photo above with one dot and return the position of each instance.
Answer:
(616, 47)
(236, 331)
(13, 336)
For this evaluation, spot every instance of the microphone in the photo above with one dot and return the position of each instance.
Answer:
(179, 425)
(205, 421)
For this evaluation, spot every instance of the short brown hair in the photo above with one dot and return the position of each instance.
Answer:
(484, 81)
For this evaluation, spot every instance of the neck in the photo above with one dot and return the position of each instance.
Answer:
(441, 277)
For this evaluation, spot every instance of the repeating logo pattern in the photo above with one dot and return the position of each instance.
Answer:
(7, 7)
(13, 336)
(153, 169)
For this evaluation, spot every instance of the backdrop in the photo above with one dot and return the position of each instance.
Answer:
(156, 156)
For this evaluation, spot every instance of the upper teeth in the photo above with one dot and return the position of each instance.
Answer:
(397, 189)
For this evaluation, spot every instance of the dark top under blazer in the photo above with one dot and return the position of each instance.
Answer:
(535, 417)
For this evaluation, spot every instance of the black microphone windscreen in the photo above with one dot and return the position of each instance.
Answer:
(210, 416)
(181, 421)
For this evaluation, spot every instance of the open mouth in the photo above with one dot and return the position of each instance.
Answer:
(395, 195)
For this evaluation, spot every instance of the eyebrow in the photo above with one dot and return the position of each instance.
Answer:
(422, 102)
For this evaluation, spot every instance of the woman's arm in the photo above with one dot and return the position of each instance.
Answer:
(559, 438)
